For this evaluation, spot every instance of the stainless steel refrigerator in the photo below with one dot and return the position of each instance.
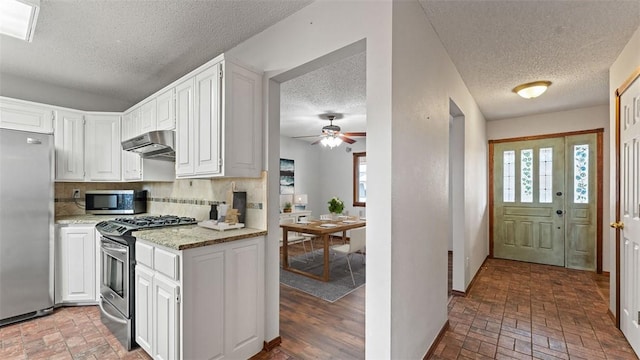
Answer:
(26, 225)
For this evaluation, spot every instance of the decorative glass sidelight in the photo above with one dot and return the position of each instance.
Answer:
(509, 176)
(581, 174)
(526, 175)
(546, 175)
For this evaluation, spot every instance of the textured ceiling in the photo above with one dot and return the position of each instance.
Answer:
(497, 45)
(338, 88)
(127, 50)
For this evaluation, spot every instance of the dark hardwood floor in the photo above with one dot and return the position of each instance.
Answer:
(312, 328)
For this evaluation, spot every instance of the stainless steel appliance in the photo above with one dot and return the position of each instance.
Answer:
(158, 145)
(115, 202)
(26, 225)
(117, 271)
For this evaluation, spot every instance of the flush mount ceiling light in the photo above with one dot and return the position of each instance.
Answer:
(532, 90)
(18, 18)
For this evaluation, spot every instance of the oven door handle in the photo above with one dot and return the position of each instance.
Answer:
(111, 317)
(122, 251)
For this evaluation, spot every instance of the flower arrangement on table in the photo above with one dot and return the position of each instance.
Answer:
(336, 206)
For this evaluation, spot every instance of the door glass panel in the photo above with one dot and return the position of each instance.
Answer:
(546, 175)
(581, 174)
(526, 175)
(509, 176)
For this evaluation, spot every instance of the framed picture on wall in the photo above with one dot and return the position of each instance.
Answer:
(287, 168)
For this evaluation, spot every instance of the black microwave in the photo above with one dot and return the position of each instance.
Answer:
(115, 201)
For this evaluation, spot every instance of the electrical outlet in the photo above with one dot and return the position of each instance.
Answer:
(76, 193)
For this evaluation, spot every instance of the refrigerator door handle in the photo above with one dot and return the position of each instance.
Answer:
(33, 141)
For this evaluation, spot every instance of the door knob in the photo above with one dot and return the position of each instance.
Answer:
(559, 212)
(617, 225)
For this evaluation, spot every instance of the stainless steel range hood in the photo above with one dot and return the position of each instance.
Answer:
(158, 145)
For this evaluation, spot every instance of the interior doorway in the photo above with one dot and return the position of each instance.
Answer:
(293, 305)
(456, 253)
(546, 199)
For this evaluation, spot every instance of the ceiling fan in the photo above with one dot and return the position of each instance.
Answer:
(331, 135)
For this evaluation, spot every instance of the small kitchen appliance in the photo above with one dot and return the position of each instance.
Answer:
(103, 202)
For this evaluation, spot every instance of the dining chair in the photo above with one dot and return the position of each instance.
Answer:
(357, 243)
(296, 238)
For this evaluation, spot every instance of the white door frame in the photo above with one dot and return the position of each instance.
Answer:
(627, 83)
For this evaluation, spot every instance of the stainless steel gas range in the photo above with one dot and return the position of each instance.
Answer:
(117, 270)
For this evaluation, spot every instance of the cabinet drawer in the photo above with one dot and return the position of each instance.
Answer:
(166, 263)
(144, 254)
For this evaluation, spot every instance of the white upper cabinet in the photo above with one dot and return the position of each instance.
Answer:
(208, 123)
(148, 117)
(242, 121)
(87, 147)
(23, 115)
(184, 124)
(165, 111)
(134, 168)
(226, 136)
(103, 150)
(131, 126)
(131, 162)
(69, 143)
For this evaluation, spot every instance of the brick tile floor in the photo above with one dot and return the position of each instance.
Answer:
(68, 333)
(519, 310)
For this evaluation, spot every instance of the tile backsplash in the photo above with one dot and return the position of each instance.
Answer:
(189, 197)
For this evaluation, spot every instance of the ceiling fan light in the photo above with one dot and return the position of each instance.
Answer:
(532, 90)
(331, 141)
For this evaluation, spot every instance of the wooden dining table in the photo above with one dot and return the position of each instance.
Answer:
(322, 229)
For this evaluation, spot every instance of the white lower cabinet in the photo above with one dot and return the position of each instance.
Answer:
(144, 307)
(76, 266)
(165, 313)
(202, 303)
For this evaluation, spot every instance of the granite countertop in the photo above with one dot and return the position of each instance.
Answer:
(83, 219)
(193, 236)
(91, 218)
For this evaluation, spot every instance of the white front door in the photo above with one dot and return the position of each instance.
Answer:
(630, 214)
